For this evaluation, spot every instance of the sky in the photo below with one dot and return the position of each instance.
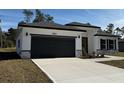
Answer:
(98, 17)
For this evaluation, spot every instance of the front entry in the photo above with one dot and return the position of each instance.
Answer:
(84, 45)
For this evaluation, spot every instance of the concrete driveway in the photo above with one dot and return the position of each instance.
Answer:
(79, 70)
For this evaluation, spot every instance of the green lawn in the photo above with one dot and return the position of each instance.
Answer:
(120, 54)
(16, 70)
(116, 63)
(8, 49)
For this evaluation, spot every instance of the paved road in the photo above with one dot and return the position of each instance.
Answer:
(64, 70)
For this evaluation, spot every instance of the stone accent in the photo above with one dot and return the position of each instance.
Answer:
(107, 52)
(78, 53)
(25, 54)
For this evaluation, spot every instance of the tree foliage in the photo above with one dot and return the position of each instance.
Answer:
(48, 18)
(117, 31)
(122, 31)
(9, 38)
(110, 28)
(12, 35)
(41, 17)
(28, 15)
(21, 22)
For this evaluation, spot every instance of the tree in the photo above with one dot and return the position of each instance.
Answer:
(9, 43)
(117, 31)
(88, 23)
(4, 39)
(39, 16)
(21, 22)
(110, 28)
(48, 18)
(28, 15)
(12, 35)
(122, 32)
(1, 35)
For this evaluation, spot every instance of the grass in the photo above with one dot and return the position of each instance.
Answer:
(8, 49)
(116, 63)
(119, 54)
(20, 70)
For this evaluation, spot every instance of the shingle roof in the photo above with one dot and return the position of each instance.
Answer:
(49, 25)
(81, 24)
(101, 33)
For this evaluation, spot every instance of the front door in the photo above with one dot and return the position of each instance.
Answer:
(84, 45)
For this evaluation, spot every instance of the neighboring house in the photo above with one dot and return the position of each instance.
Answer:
(121, 45)
(40, 40)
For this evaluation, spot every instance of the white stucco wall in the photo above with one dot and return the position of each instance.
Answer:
(78, 46)
(26, 40)
(90, 35)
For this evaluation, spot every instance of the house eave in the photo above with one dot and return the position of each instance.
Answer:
(106, 35)
(57, 28)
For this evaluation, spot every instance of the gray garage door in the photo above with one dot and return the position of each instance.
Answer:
(50, 47)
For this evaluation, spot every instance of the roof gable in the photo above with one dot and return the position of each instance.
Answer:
(81, 24)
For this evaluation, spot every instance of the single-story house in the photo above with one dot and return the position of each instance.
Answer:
(41, 40)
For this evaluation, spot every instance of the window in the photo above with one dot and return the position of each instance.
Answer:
(18, 43)
(111, 44)
(107, 44)
(103, 44)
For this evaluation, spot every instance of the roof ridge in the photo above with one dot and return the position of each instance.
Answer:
(82, 24)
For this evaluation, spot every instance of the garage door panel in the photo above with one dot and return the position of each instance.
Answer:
(45, 47)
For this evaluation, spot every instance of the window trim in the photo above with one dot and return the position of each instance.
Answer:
(111, 44)
(108, 44)
(105, 44)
